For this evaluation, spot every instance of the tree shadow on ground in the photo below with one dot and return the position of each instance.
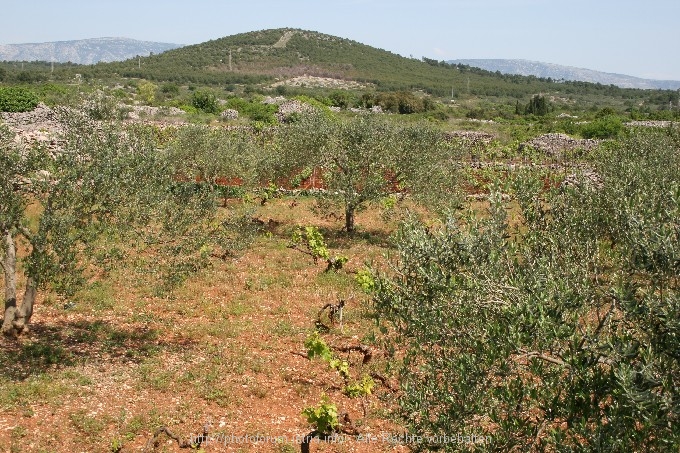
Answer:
(341, 239)
(49, 347)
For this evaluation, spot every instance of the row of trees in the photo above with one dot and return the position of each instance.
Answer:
(137, 185)
(362, 159)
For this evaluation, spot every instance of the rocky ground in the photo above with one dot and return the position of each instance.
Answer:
(320, 82)
(554, 144)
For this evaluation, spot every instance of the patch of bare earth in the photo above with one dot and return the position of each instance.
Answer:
(224, 350)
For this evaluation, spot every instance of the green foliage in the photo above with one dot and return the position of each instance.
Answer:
(312, 242)
(367, 158)
(210, 155)
(361, 388)
(116, 445)
(147, 92)
(17, 99)
(317, 347)
(341, 98)
(403, 102)
(560, 333)
(109, 181)
(205, 101)
(608, 126)
(365, 280)
(538, 106)
(341, 366)
(170, 89)
(297, 180)
(312, 239)
(54, 94)
(323, 417)
(256, 111)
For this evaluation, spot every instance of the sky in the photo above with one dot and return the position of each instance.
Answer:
(633, 37)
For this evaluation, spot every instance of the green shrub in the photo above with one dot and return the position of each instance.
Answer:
(170, 89)
(254, 110)
(402, 102)
(205, 101)
(17, 99)
(310, 241)
(608, 126)
(559, 334)
(538, 105)
(342, 99)
(324, 417)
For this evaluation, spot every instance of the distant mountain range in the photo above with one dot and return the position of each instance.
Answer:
(559, 72)
(83, 51)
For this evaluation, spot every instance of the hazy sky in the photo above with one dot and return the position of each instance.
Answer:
(633, 37)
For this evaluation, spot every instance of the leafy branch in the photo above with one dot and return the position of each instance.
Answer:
(310, 241)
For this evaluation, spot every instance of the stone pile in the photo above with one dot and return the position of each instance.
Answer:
(320, 82)
(229, 114)
(374, 109)
(290, 107)
(42, 117)
(554, 144)
(138, 111)
(40, 127)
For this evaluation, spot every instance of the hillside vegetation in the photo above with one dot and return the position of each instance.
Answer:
(259, 58)
(246, 258)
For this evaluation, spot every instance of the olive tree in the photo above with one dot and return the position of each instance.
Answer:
(207, 154)
(557, 333)
(105, 181)
(366, 158)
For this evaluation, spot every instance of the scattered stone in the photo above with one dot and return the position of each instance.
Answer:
(662, 124)
(138, 111)
(586, 177)
(276, 100)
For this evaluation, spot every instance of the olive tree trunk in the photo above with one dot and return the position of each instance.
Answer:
(16, 317)
(349, 218)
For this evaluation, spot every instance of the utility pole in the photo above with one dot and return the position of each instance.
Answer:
(139, 62)
(229, 60)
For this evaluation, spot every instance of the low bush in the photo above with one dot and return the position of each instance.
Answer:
(608, 126)
(17, 99)
(205, 101)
